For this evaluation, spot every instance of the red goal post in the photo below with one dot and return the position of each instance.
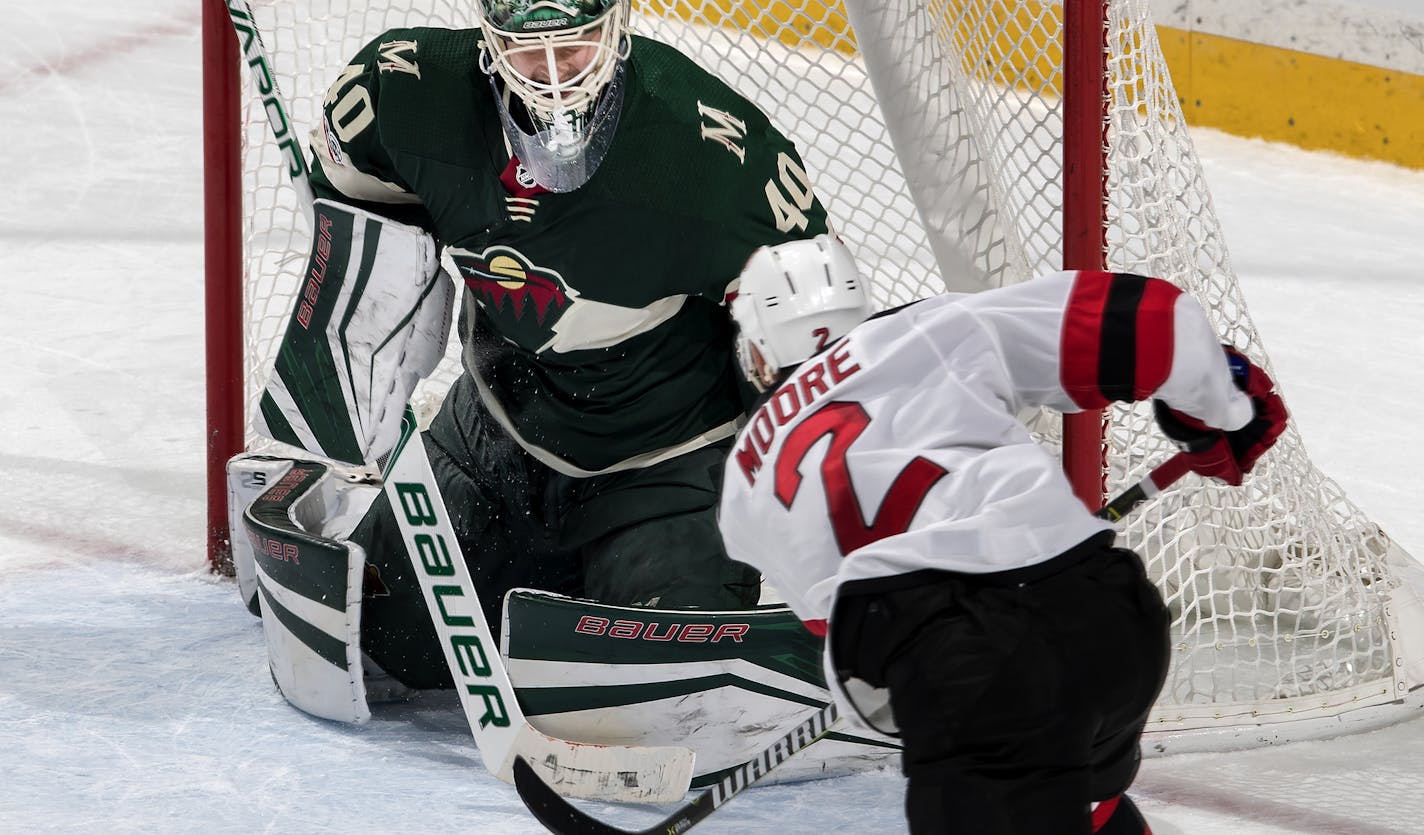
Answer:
(224, 316)
(957, 145)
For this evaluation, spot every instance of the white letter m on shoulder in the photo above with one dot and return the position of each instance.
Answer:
(393, 59)
(725, 128)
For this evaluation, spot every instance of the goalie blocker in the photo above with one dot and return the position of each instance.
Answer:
(372, 319)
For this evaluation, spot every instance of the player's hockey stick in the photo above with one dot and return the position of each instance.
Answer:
(500, 729)
(563, 818)
(502, 733)
(1159, 479)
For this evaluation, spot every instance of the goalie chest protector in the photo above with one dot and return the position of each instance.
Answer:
(594, 318)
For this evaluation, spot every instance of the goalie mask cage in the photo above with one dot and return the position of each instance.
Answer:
(956, 144)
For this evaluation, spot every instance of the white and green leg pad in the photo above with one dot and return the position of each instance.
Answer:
(248, 476)
(308, 579)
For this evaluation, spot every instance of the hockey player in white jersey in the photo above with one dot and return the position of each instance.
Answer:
(972, 605)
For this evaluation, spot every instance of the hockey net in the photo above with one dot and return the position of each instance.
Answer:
(1287, 600)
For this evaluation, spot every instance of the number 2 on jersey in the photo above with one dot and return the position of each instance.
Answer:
(844, 422)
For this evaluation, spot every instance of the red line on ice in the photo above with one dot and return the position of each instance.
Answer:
(105, 49)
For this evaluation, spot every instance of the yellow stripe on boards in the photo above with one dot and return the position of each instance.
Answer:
(1232, 85)
(1307, 100)
(822, 24)
(1002, 40)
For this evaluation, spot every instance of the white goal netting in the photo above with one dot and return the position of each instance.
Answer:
(934, 139)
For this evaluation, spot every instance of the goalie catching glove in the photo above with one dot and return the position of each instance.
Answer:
(1228, 454)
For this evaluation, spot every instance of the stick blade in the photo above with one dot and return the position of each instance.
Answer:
(611, 773)
(556, 813)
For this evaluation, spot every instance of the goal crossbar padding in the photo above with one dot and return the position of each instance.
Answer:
(309, 590)
(371, 320)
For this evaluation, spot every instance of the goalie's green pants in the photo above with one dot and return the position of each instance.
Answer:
(638, 537)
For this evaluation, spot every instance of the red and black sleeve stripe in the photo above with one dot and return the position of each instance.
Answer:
(1117, 337)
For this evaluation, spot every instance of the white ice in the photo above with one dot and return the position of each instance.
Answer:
(134, 695)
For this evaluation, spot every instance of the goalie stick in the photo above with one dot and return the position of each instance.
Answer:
(500, 729)
(563, 818)
(273, 104)
(637, 774)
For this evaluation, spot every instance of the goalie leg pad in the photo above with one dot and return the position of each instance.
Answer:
(248, 476)
(372, 320)
(309, 590)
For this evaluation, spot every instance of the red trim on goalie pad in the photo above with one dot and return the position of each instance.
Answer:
(1082, 338)
(815, 627)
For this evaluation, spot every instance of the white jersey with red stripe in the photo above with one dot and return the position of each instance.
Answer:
(898, 448)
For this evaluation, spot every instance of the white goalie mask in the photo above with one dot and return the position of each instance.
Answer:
(792, 300)
(563, 61)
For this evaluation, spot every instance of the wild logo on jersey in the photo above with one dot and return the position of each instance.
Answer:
(528, 300)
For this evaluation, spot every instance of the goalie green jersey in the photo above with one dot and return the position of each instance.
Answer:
(593, 321)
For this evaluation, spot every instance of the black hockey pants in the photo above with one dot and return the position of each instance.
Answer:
(1018, 704)
(639, 537)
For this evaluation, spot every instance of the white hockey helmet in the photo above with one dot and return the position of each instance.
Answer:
(792, 300)
(563, 61)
